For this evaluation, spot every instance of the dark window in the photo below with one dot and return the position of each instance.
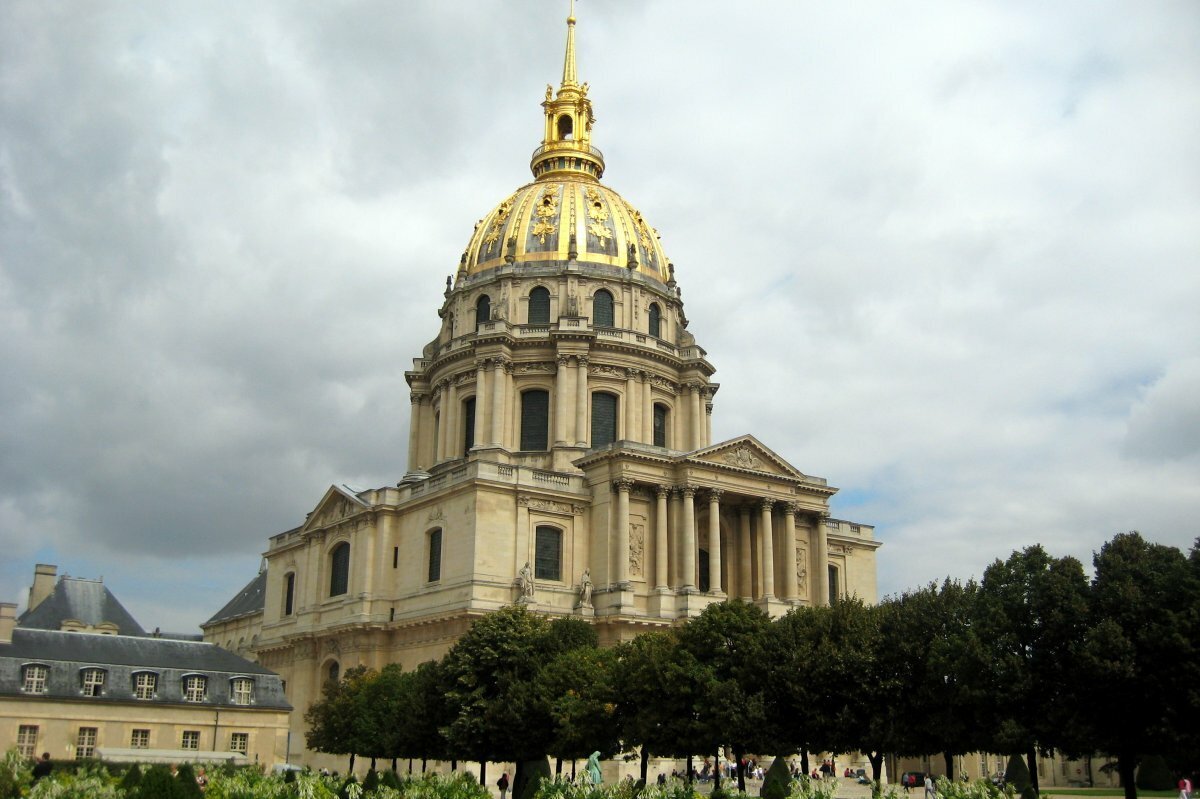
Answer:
(435, 555)
(834, 589)
(604, 419)
(547, 561)
(703, 579)
(289, 592)
(335, 671)
(535, 420)
(483, 310)
(565, 126)
(602, 309)
(660, 425)
(395, 557)
(339, 570)
(468, 425)
(655, 320)
(539, 306)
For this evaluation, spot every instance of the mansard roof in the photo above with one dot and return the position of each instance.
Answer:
(88, 601)
(250, 600)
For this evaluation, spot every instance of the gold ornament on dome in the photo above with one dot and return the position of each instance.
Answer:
(493, 234)
(644, 231)
(547, 213)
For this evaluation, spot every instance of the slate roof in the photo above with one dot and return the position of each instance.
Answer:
(88, 601)
(249, 600)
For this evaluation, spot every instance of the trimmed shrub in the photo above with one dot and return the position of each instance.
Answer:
(1153, 774)
(529, 778)
(131, 780)
(777, 784)
(1016, 774)
(157, 783)
(186, 777)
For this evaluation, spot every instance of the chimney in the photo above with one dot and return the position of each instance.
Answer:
(8, 621)
(44, 576)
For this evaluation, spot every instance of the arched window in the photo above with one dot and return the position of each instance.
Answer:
(604, 418)
(602, 309)
(565, 127)
(289, 592)
(483, 310)
(468, 424)
(539, 306)
(834, 589)
(535, 420)
(339, 569)
(660, 424)
(547, 559)
(655, 320)
(435, 556)
(334, 672)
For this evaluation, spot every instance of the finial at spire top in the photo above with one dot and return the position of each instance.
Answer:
(569, 77)
(567, 138)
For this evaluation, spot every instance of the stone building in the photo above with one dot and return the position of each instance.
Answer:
(80, 678)
(560, 455)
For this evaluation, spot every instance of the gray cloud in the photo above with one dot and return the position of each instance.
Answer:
(945, 256)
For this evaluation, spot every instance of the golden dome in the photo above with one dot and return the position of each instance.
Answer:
(566, 215)
(562, 219)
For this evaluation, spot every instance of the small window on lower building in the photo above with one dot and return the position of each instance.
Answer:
(190, 740)
(834, 589)
(35, 679)
(242, 691)
(435, 556)
(93, 682)
(194, 688)
(27, 735)
(547, 561)
(139, 739)
(239, 742)
(144, 683)
(85, 743)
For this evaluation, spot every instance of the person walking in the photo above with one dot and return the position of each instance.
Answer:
(1185, 788)
(930, 793)
(502, 784)
(43, 767)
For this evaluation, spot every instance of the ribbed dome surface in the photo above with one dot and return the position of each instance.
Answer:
(534, 225)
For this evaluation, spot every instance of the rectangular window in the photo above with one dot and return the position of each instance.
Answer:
(548, 554)
(834, 589)
(435, 555)
(604, 418)
(243, 691)
(85, 743)
(93, 682)
(191, 739)
(468, 425)
(139, 739)
(535, 420)
(239, 742)
(194, 689)
(395, 557)
(289, 593)
(27, 735)
(704, 580)
(35, 679)
(144, 684)
(660, 425)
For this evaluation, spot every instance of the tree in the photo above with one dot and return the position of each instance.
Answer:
(1032, 615)
(332, 720)
(577, 686)
(1139, 653)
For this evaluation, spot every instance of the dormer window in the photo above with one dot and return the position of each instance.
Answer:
(92, 681)
(35, 679)
(144, 685)
(241, 691)
(195, 688)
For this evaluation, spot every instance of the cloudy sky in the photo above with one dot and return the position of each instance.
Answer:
(944, 254)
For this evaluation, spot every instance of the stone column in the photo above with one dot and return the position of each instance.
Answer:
(622, 486)
(647, 410)
(708, 421)
(414, 425)
(676, 538)
(767, 549)
(697, 417)
(687, 559)
(451, 414)
(581, 401)
(745, 579)
(822, 575)
(483, 401)
(497, 403)
(791, 586)
(630, 407)
(661, 558)
(714, 541)
(560, 401)
(443, 420)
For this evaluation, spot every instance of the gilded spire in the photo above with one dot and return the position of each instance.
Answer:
(567, 137)
(569, 77)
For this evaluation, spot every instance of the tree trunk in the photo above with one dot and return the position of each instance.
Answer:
(717, 771)
(645, 763)
(1091, 776)
(483, 773)
(351, 771)
(372, 764)
(572, 770)
(803, 762)
(689, 769)
(424, 762)
(1127, 767)
(394, 765)
(1031, 763)
(876, 761)
(453, 765)
(740, 759)
(950, 766)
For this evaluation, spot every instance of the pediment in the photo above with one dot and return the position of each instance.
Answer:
(337, 504)
(746, 453)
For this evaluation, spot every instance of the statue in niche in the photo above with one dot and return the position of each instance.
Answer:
(585, 589)
(525, 583)
(572, 305)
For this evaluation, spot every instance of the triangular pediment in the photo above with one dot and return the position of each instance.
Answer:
(745, 453)
(337, 504)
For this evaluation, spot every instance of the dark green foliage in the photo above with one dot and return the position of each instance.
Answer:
(371, 782)
(777, 784)
(1153, 774)
(529, 777)
(157, 783)
(388, 779)
(1016, 774)
(131, 780)
(289, 776)
(344, 791)
(186, 778)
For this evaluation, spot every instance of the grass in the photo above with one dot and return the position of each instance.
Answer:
(1104, 792)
